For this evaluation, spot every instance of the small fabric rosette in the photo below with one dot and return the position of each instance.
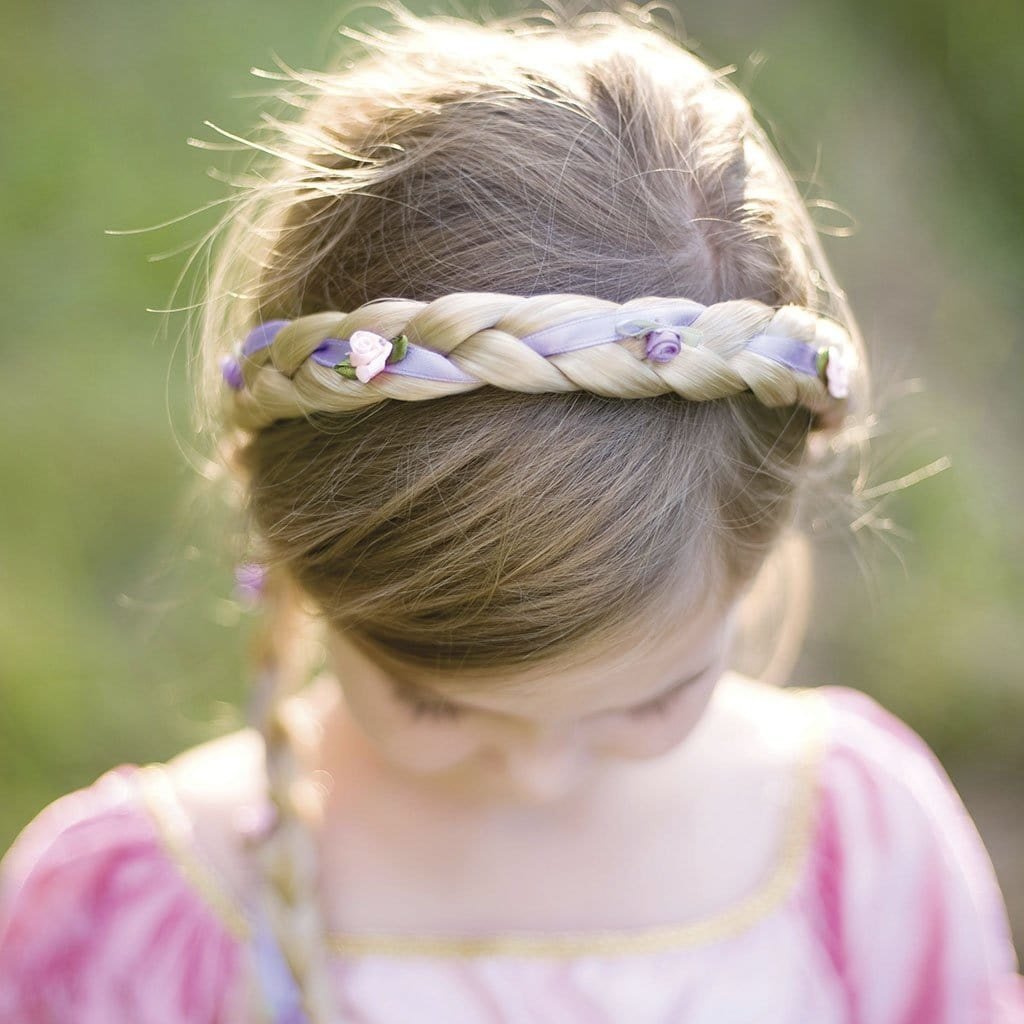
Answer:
(250, 582)
(664, 342)
(834, 369)
(367, 354)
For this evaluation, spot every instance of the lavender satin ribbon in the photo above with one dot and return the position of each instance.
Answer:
(583, 332)
(797, 355)
(280, 990)
(262, 335)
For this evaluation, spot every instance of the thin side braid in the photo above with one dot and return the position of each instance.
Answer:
(286, 854)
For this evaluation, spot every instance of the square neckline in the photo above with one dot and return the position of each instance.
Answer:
(174, 832)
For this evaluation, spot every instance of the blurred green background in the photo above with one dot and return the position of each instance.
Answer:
(118, 635)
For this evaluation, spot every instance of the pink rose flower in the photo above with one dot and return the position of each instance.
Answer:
(837, 373)
(367, 353)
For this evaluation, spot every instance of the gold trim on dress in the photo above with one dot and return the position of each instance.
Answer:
(177, 838)
(175, 832)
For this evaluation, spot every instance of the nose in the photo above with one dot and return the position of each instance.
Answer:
(545, 768)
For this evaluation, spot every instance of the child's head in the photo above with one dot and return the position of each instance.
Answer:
(567, 514)
(492, 529)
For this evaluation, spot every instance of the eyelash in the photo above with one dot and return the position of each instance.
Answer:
(657, 707)
(431, 709)
(439, 709)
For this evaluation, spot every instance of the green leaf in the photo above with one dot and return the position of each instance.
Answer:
(822, 360)
(346, 369)
(399, 346)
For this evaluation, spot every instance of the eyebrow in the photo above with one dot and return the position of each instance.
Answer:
(411, 694)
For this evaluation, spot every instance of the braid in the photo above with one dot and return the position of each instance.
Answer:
(480, 332)
(286, 853)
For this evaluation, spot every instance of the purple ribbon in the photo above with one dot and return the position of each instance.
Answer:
(280, 989)
(797, 355)
(261, 336)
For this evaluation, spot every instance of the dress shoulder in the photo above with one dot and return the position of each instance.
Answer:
(908, 906)
(99, 925)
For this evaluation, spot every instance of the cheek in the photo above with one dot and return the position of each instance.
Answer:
(653, 735)
(418, 745)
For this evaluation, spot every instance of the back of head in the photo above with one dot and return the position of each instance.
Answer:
(493, 527)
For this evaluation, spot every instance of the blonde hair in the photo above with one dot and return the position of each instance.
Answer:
(446, 184)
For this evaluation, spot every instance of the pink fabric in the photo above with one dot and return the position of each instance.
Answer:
(895, 918)
(904, 894)
(97, 925)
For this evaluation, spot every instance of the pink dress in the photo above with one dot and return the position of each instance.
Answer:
(882, 908)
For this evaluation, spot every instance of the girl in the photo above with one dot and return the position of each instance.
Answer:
(520, 355)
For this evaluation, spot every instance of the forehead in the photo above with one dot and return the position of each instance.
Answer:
(625, 674)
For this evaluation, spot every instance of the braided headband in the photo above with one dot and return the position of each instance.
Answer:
(651, 345)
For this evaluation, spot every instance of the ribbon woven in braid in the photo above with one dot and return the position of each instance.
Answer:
(652, 345)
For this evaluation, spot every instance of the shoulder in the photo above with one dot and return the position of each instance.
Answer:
(879, 772)
(208, 790)
(100, 921)
(211, 791)
(884, 795)
(903, 889)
